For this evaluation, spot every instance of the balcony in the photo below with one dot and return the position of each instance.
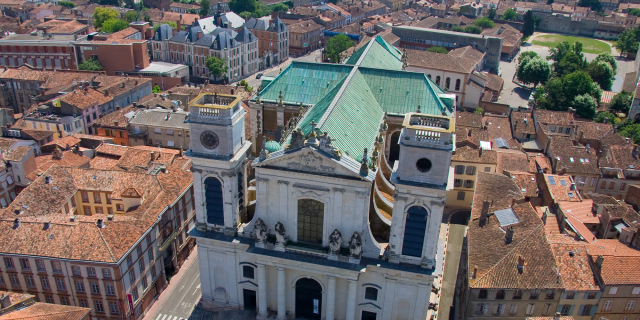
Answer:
(168, 241)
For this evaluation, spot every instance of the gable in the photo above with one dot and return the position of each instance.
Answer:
(313, 161)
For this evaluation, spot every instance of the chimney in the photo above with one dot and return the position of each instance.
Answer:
(485, 210)
(508, 237)
(556, 316)
(475, 272)
(232, 91)
(48, 179)
(520, 264)
(100, 223)
(106, 93)
(115, 123)
(513, 202)
(72, 218)
(468, 132)
(5, 301)
(16, 223)
(525, 120)
(587, 147)
(480, 152)
(606, 120)
(110, 217)
(599, 261)
(47, 224)
(199, 34)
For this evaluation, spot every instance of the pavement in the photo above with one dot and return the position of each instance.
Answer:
(182, 294)
(516, 96)
(452, 261)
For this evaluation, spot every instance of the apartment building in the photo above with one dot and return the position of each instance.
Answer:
(273, 40)
(115, 124)
(619, 278)
(41, 50)
(620, 168)
(159, 127)
(192, 46)
(45, 117)
(466, 163)
(512, 271)
(104, 226)
(571, 158)
(305, 36)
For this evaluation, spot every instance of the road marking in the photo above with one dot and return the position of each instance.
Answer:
(198, 287)
(160, 315)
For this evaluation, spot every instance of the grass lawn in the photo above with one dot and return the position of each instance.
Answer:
(588, 45)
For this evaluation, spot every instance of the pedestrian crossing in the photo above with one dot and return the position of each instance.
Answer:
(168, 317)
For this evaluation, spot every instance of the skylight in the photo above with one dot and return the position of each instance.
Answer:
(552, 181)
(562, 182)
(571, 159)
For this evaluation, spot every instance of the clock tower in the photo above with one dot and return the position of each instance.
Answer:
(218, 153)
(421, 177)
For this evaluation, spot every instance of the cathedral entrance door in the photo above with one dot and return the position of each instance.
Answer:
(249, 299)
(308, 299)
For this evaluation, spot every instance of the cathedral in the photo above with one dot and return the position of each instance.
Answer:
(349, 191)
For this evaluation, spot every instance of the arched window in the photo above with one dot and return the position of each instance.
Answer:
(429, 76)
(414, 230)
(248, 272)
(438, 80)
(213, 201)
(371, 293)
(447, 83)
(458, 85)
(310, 220)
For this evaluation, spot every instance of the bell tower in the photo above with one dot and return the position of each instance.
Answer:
(218, 153)
(426, 144)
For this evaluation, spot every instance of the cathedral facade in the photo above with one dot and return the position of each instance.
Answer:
(338, 230)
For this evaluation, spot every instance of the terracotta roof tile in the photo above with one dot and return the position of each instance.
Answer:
(116, 119)
(111, 149)
(468, 119)
(618, 270)
(573, 265)
(611, 247)
(510, 160)
(560, 188)
(48, 311)
(17, 153)
(526, 181)
(601, 198)
(553, 117)
(574, 159)
(468, 154)
(85, 98)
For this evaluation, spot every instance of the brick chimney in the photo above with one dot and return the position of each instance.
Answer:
(508, 236)
(5, 301)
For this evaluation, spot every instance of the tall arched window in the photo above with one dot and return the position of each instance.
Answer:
(447, 83)
(213, 201)
(310, 220)
(438, 80)
(429, 76)
(414, 231)
(458, 85)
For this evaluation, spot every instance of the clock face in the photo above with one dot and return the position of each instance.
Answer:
(423, 165)
(209, 140)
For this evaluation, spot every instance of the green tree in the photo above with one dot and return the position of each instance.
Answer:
(510, 14)
(100, 15)
(472, 29)
(217, 67)
(611, 118)
(66, 4)
(90, 65)
(246, 15)
(239, 6)
(156, 89)
(115, 3)
(336, 45)
(131, 16)
(602, 73)
(484, 23)
(549, 1)
(114, 25)
(526, 55)
(631, 130)
(570, 62)
(171, 24)
(533, 71)
(129, 4)
(279, 7)
(289, 3)
(635, 12)
(595, 5)
(557, 53)
(491, 14)
(580, 83)
(457, 29)
(627, 42)
(621, 102)
(479, 111)
(437, 50)
(205, 8)
(585, 106)
(529, 26)
(608, 58)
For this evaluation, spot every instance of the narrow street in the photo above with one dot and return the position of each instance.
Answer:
(457, 231)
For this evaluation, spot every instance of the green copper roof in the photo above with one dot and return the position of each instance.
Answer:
(272, 146)
(348, 101)
(305, 82)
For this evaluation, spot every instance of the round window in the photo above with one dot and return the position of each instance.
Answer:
(423, 165)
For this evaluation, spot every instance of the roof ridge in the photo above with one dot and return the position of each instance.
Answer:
(508, 253)
(79, 309)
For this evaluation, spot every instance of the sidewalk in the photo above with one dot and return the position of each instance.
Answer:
(175, 282)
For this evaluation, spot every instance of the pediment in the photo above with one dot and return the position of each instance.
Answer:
(311, 160)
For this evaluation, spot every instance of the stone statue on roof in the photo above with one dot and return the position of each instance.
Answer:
(260, 231)
(355, 245)
(335, 240)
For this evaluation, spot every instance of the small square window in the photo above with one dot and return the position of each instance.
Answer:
(248, 272)
(371, 293)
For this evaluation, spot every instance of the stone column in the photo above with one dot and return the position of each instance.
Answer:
(262, 292)
(351, 300)
(281, 295)
(331, 298)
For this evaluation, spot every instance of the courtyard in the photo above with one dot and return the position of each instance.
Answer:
(589, 45)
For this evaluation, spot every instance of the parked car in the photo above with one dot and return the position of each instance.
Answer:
(259, 76)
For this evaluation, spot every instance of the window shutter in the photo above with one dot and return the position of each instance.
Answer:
(502, 308)
(559, 308)
(573, 306)
(586, 295)
(593, 310)
(496, 308)
(580, 309)
(598, 294)
(564, 295)
(486, 308)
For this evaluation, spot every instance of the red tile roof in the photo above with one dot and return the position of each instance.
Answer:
(48, 311)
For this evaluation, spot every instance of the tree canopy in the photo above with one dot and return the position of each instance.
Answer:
(472, 29)
(156, 89)
(131, 16)
(279, 7)
(217, 67)
(66, 4)
(635, 12)
(529, 26)
(602, 73)
(100, 15)
(438, 50)
(336, 45)
(90, 65)
(627, 42)
(585, 106)
(533, 71)
(205, 7)
(491, 14)
(526, 54)
(621, 102)
(239, 6)
(510, 14)
(484, 22)
(610, 59)
(611, 118)
(114, 25)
